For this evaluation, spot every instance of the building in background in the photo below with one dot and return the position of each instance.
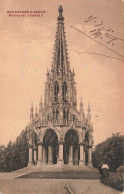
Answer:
(59, 133)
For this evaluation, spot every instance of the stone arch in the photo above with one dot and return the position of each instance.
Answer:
(46, 129)
(72, 128)
(50, 146)
(88, 139)
(48, 134)
(71, 147)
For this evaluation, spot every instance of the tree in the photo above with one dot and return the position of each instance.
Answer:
(110, 150)
(15, 156)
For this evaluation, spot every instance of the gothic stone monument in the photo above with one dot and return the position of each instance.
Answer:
(59, 133)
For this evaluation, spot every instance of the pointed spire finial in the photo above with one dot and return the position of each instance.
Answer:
(81, 102)
(31, 106)
(36, 112)
(60, 17)
(41, 104)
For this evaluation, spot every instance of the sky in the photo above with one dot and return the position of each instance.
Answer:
(26, 50)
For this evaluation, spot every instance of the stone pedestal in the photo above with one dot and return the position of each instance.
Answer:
(90, 164)
(70, 162)
(30, 162)
(82, 156)
(90, 157)
(50, 155)
(60, 160)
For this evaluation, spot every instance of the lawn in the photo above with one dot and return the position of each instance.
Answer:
(62, 175)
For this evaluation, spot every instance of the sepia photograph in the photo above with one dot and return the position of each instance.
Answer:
(62, 96)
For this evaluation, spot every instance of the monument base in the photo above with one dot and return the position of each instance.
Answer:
(30, 164)
(82, 163)
(90, 164)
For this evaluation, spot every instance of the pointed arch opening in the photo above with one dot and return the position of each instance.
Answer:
(56, 91)
(50, 147)
(64, 92)
(71, 148)
(34, 139)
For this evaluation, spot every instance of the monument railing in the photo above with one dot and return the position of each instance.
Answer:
(58, 122)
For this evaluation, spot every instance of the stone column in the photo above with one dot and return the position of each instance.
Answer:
(70, 162)
(82, 155)
(44, 155)
(35, 156)
(30, 162)
(90, 157)
(50, 154)
(69, 91)
(60, 160)
(40, 154)
(76, 156)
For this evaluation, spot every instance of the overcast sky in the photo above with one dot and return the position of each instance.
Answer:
(26, 50)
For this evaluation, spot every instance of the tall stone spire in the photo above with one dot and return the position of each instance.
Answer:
(60, 59)
(60, 85)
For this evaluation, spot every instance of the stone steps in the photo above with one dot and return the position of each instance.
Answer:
(55, 168)
(51, 168)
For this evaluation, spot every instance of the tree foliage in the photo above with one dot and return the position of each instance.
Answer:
(110, 151)
(15, 155)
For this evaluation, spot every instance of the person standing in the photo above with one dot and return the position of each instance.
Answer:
(104, 171)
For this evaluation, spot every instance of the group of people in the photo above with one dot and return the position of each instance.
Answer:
(103, 170)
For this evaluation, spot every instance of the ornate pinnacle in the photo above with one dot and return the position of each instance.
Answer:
(89, 115)
(81, 103)
(31, 113)
(41, 104)
(31, 109)
(60, 17)
(89, 110)
(36, 114)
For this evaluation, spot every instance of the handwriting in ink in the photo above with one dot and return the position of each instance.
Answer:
(99, 30)
(120, 59)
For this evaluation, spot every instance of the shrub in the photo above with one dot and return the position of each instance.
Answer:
(114, 181)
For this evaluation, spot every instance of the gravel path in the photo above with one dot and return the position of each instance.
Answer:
(8, 185)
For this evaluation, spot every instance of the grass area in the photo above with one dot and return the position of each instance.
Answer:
(115, 181)
(62, 175)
